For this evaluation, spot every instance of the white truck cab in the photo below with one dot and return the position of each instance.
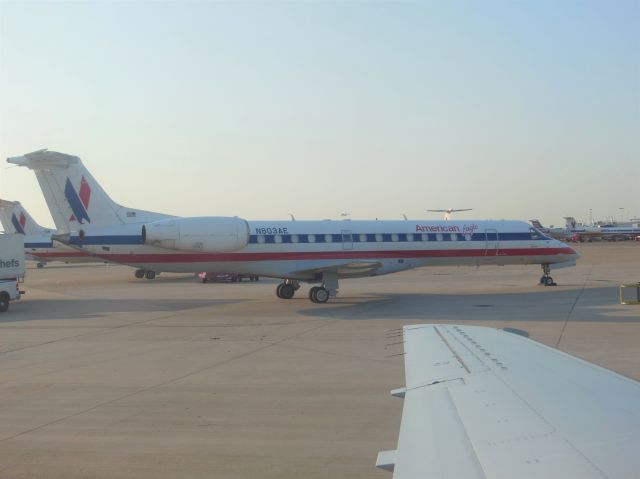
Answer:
(9, 291)
(11, 268)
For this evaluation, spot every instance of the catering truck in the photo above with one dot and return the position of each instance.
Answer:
(11, 268)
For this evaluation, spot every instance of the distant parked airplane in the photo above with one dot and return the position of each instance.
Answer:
(611, 232)
(310, 251)
(558, 233)
(38, 244)
(448, 211)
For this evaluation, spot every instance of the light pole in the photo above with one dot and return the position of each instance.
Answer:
(621, 214)
(590, 216)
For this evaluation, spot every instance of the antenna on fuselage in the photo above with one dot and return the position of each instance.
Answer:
(293, 218)
(448, 211)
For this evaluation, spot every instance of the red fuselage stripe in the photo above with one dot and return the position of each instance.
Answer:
(328, 255)
(68, 254)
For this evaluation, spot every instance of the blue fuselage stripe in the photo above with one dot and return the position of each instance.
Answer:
(331, 238)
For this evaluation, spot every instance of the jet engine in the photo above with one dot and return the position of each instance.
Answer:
(207, 234)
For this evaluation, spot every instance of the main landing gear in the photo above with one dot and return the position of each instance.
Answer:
(317, 294)
(547, 280)
(143, 273)
(287, 289)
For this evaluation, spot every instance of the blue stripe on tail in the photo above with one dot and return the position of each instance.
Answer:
(76, 205)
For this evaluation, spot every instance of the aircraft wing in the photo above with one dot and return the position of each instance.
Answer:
(350, 269)
(485, 403)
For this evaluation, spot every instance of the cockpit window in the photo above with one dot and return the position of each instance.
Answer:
(535, 234)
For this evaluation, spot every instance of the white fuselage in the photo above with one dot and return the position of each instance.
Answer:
(43, 249)
(298, 249)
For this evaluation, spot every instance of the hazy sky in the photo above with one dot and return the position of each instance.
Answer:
(519, 110)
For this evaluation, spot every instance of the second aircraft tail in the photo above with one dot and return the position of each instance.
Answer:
(15, 219)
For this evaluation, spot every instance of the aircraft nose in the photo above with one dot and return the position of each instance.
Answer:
(570, 251)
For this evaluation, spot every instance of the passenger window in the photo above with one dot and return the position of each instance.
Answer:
(328, 238)
(395, 238)
(295, 238)
(260, 239)
(454, 236)
(467, 237)
(312, 238)
(439, 237)
(363, 238)
(378, 237)
(410, 237)
(277, 239)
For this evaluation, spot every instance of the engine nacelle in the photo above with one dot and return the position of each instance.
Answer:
(206, 234)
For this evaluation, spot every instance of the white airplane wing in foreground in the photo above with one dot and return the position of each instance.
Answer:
(485, 403)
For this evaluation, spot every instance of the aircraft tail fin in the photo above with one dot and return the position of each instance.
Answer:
(15, 219)
(76, 200)
(536, 224)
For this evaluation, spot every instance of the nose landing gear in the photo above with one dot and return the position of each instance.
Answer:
(546, 279)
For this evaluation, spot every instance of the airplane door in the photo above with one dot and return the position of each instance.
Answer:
(347, 240)
(491, 242)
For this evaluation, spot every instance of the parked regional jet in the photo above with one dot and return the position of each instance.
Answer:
(610, 232)
(38, 244)
(480, 403)
(311, 251)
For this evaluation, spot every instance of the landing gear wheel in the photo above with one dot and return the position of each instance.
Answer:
(318, 295)
(286, 291)
(547, 280)
(40, 265)
(150, 275)
(139, 273)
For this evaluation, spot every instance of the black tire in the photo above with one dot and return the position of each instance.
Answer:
(548, 281)
(40, 265)
(4, 302)
(139, 273)
(278, 288)
(312, 294)
(150, 275)
(287, 291)
(321, 295)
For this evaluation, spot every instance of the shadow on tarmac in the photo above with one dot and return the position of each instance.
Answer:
(590, 305)
(46, 309)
